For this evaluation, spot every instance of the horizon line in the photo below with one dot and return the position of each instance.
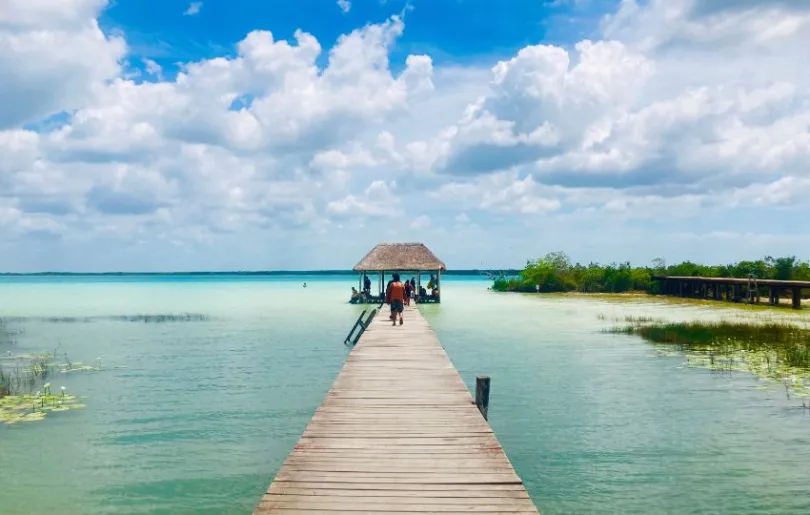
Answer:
(346, 271)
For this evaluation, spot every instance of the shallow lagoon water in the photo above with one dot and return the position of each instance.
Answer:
(205, 411)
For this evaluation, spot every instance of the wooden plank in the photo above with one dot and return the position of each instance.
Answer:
(370, 499)
(383, 443)
(319, 489)
(398, 432)
(367, 505)
(304, 511)
(495, 489)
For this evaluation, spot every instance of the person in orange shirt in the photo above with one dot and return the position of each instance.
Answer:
(395, 297)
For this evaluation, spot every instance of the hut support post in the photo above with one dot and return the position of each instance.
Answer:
(482, 395)
(797, 297)
(773, 298)
(438, 285)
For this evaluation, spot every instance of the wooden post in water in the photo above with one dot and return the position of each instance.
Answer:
(482, 395)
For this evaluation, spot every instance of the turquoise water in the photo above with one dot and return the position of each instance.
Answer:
(205, 411)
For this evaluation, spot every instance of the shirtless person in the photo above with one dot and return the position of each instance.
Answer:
(395, 296)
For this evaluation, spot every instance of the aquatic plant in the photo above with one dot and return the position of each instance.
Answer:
(33, 407)
(182, 317)
(154, 318)
(777, 351)
(18, 381)
(630, 319)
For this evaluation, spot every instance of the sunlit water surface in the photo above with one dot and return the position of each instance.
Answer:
(204, 412)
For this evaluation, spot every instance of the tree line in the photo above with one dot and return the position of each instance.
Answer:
(556, 273)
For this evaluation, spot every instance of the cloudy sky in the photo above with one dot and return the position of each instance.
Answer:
(219, 135)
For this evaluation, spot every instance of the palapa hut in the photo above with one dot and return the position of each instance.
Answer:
(405, 258)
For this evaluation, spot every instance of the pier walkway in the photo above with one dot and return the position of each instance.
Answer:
(398, 432)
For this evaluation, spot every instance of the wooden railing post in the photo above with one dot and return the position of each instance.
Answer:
(482, 395)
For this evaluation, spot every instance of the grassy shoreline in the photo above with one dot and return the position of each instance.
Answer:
(777, 352)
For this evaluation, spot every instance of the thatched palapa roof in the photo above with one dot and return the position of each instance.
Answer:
(399, 257)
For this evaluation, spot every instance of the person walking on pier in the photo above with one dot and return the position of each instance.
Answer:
(395, 297)
(408, 293)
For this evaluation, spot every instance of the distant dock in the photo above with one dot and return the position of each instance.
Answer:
(733, 289)
(398, 432)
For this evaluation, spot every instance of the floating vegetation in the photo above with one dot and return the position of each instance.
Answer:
(182, 317)
(18, 380)
(33, 407)
(777, 352)
(155, 318)
(630, 319)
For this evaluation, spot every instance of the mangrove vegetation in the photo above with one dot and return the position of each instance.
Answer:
(556, 273)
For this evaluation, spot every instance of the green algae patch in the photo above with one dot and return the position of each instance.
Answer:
(776, 352)
(25, 388)
(34, 407)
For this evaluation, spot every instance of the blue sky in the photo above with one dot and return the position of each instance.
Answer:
(170, 135)
(451, 31)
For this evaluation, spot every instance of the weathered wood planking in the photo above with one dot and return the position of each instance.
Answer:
(398, 432)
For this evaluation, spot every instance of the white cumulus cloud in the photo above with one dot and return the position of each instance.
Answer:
(678, 117)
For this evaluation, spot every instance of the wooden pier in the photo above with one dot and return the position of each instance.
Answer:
(398, 432)
(733, 289)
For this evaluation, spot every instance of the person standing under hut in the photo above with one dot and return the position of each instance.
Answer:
(395, 297)
(408, 293)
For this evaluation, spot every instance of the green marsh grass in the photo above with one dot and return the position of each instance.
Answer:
(147, 318)
(775, 351)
